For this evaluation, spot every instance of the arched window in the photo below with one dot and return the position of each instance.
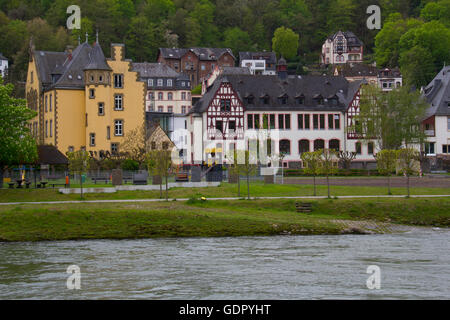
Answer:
(319, 144)
(285, 146)
(334, 144)
(303, 146)
(169, 96)
(160, 96)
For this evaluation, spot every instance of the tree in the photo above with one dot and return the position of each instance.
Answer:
(393, 118)
(311, 165)
(408, 159)
(346, 158)
(417, 66)
(246, 166)
(142, 39)
(386, 163)
(285, 43)
(328, 164)
(17, 146)
(234, 169)
(79, 162)
(159, 163)
(135, 144)
(237, 40)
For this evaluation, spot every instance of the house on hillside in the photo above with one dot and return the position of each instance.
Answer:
(197, 63)
(259, 63)
(342, 47)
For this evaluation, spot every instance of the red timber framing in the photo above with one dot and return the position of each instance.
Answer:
(352, 111)
(226, 108)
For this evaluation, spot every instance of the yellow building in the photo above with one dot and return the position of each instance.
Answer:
(84, 100)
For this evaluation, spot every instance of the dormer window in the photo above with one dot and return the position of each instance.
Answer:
(318, 99)
(150, 82)
(265, 99)
(100, 78)
(160, 82)
(300, 99)
(250, 99)
(283, 99)
(169, 82)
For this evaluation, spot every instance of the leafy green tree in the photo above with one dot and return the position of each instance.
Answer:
(158, 10)
(439, 10)
(143, 39)
(417, 66)
(237, 40)
(328, 164)
(159, 163)
(17, 146)
(311, 165)
(79, 163)
(393, 118)
(386, 164)
(409, 164)
(285, 43)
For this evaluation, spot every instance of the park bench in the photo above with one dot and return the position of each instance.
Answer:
(303, 207)
(182, 177)
(95, 179)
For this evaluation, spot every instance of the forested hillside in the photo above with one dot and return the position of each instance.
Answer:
(416, 35)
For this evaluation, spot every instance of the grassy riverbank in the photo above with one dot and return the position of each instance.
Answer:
(210, 218)
(257, 189)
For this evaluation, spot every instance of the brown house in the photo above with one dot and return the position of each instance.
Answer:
(197, 63)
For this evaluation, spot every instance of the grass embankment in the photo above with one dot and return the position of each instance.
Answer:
(210, 218)
(257, 189)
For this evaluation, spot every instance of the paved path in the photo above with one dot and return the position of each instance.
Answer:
(215, 199)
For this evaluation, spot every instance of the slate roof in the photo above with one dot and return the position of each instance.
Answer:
(308, 87)
(235, 70)
(50, 155)
(357, 70)
(205, 54)
(391, 73)
(2, 57)
(352, 39)
(437, 93)
(69, 67)
(97, 60)
(149, 70)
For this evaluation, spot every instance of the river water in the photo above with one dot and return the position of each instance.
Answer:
(413, 265)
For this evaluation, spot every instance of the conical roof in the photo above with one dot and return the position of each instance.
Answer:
(97, 60)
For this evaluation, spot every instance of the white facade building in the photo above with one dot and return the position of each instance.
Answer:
(3, 66)
(259, 63)
(297, 114)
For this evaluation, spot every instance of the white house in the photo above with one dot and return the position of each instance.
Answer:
(3, 65)
(437, 122)
(259, 63)
(342, 47)
(389, 79)
(295, 114)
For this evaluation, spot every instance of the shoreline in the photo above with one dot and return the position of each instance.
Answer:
(220, 218)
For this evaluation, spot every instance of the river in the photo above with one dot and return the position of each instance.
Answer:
(413, 265)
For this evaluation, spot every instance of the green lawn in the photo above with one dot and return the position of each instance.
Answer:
(257, 189)
(210, 218)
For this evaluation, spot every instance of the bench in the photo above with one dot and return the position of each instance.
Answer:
(182, 177)
(303, 207)
(140, 179)
(106, 180)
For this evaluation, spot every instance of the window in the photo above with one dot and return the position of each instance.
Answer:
(232, 125)
(160, 82)
(303, 122)
(150, 82)
(334, 144)
(32, 77)
(118, 127)
(265, 100)
(250, 121)
(165, 145)
(101, 109)
(300, 99)
(219, 125)
(358, 148)
(203, 67)
(169, 82)
(319, 144)
(46, 128)
(315, 121)
(114, 148)
(322, 121)
(334, 121)
(92, 139)
(160, 109)
(118, 102)
(303, 146)
(51, 128)
(50, 102)
(71, 149)
(285, 146)
(183, 84)
(225, 105)
(160, 96)
(170, 109)
(183, 96)
(108, 133)
(370, 148)
(46, 103)
(170, 96)
(183, 109)
(91, 93)
(448, 123)
(284, 99)
(429, 148)
(100, 78)
(446, 148)
(153, 145)
(118, 81)
(284, 121)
